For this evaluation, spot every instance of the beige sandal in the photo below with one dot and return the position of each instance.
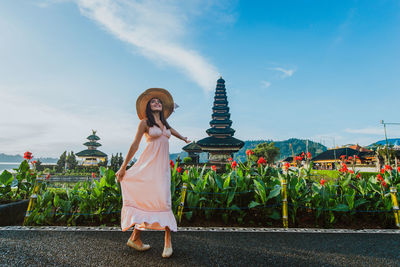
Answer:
(167, 252)
(144, 247)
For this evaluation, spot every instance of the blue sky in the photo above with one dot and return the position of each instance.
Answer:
(321, 70)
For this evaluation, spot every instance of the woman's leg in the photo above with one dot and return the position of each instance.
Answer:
(167, 243)
(135, 237)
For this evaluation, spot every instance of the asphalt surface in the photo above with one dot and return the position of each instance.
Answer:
(91, 248)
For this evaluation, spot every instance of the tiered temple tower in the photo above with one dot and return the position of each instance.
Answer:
(220, 144)
(92, 156)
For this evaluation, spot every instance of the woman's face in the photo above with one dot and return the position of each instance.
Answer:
(155, 104)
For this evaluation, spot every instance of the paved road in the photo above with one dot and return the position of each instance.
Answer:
(107, 248)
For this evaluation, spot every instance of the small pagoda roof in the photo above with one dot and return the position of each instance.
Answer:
(226, 142)
(93, 136)
(192, 147)
(92, 143)
(91, 153)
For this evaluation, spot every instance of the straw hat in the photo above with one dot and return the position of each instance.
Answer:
(160, 93)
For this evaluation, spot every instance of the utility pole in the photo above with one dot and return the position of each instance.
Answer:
(387, 144)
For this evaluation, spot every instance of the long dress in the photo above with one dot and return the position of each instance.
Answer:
(146, 186)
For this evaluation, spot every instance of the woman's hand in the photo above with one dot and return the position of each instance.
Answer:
(186, 140)
(120, 174)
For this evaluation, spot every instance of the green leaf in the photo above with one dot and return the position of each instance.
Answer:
(275, 215)
(230, 197)
(227, 181)
(189, 215)
(254, 204)
(274, 192)
(341, 207)
(6, 178)
(56, 200)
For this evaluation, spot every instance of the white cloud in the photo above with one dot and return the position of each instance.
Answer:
(368, 130)
(156, 29)
(284, 72)
(266, 84)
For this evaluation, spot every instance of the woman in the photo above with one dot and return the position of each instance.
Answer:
(146, 185)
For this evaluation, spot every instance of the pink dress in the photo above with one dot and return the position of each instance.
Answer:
(146, 186)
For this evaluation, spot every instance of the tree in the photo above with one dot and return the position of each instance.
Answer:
(61, 162)
(71, 161)
(266, 150)
(39, 166)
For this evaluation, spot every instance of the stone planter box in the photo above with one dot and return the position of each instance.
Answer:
(13, 213)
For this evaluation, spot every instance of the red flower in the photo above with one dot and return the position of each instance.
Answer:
(28, 155)
(33, 162)
(388, 167)
(187, 172)
(214, 167)
(93, 175)
(382, 171)
(351, 171)
(350, 158)
(261, 160)
(355, 156)
(308, 155)
(323, 182)
(249, 152)
(344, 168)
(48, 176)
(32, 173)
(358, 176)
(171, 162)
(384, 184)
(179, 169)
(302, 154)
(230, 159)
(286, 165)
(343, 157)
(379, 177)
(398, 169)
(234, 164)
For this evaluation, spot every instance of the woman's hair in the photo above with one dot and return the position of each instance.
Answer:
(150, 118)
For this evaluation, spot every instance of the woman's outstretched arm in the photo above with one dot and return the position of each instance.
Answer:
(132, 150)
(177, 135)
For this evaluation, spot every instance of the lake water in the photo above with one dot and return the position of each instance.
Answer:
(8, 166)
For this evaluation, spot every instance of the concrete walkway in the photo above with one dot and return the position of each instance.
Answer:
(58, 246)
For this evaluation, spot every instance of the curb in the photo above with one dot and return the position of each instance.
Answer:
(205, 229)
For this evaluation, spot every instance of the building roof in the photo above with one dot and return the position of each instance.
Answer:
(91, 153)
(192, 147)
(332, 154)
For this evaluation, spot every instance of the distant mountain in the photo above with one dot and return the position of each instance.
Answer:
(19, 158)
(391, 141)
(298, 146)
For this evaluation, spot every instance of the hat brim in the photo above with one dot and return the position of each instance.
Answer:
(160, 93)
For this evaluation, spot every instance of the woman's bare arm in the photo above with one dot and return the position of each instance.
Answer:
(177, 135)
(133, 148)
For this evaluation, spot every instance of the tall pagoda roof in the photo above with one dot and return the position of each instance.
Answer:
(220, 133)
(212, 141)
